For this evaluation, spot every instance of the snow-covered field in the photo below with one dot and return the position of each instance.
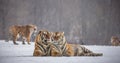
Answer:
(10, 53)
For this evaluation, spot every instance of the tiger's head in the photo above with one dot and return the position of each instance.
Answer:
(32, 28)
(45, 36)
(58, 37)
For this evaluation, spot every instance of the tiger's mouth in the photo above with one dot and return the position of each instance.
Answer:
(57, 42)
(35, 31)
(47, 41)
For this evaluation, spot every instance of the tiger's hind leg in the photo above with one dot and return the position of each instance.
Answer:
(70, 50)
(23, 40)
(15, 39)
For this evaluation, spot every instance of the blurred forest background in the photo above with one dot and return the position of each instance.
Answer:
(83, 21)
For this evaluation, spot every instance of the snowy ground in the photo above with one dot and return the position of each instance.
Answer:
(10, 53)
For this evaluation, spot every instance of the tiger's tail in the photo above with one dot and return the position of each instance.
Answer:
(93, 54)
(87, 52)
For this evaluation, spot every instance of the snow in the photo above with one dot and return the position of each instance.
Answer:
(10, 53)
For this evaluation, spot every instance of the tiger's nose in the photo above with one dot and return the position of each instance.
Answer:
(45, 40)
(49, 40)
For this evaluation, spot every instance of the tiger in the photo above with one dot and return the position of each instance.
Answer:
(59, 39)
(15, 31)
(44, 45)
(115, 41)
(71, 49)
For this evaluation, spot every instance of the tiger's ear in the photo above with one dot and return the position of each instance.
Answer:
(62, 33)
(39, 32)
(50, 32)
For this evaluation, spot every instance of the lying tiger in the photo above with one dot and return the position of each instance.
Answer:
(115, 41)
(71, 49)
(54, 44)
(15, 31)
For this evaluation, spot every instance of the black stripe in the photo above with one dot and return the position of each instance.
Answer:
(41, 47)
(58, 48)
(50, 49)
(64, 48)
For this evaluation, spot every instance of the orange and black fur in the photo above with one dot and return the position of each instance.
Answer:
(43, 45)
(54, 44)
(15, 31)
(71, 49)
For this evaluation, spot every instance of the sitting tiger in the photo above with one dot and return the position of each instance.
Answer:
(115, 41)
(71, 49)
(15, 31)
(44, 45)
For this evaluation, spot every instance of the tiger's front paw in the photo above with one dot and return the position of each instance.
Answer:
(29, 44)
(16, 44)
(23, 43)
